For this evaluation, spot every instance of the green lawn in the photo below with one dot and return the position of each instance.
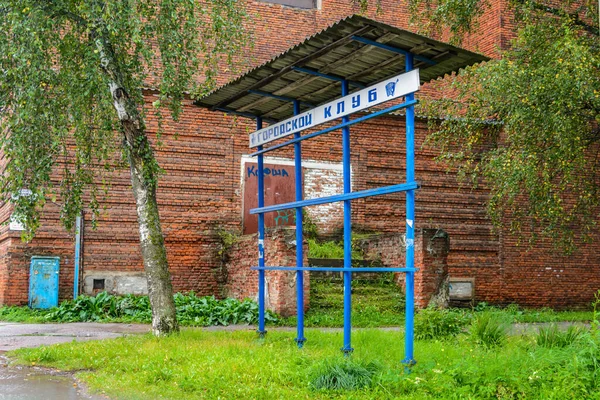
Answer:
(236, 365)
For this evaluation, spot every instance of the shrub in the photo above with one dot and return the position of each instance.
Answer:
(432, 323)
(342, 375)
(551, 336)
(490, 329)
(191, 310)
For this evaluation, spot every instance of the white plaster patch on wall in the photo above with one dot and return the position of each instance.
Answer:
(323, 183)
(115, 282)
(321, 179)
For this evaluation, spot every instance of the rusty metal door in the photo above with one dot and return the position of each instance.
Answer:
(280, 184)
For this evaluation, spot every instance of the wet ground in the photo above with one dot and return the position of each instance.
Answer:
(25, 383)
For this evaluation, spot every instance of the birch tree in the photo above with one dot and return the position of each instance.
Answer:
(71, 80)
(528, 122)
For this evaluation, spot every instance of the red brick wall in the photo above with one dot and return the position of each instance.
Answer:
(280, 251)
(201, 191)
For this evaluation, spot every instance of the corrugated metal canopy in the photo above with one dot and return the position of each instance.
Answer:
(358, 49)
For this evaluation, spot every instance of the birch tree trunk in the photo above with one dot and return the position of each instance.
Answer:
(144, 179)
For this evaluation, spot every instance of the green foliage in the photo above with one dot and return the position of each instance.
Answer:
(459, 16)
(331, 249)
(345, 374)
(490, 329)
(59, 61)
(551, 336)
(226, 241)
(596, 313)
(527, 124)
(191, 310)
(21, 314)
(432, 323)
(309, 227)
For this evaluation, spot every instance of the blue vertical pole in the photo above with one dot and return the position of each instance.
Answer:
(409, 359)
(300, 339)
(347, 349)
(261, 240)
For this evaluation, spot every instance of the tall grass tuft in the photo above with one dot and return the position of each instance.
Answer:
(552, 337)
(431, 323)
(490, 329)
(346, 374)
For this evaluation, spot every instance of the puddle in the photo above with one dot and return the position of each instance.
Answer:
(25, 383)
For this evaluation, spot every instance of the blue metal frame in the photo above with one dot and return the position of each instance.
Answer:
(402, 187)
(278, 97)
(336, 127)
(393, 49)
(409, 359)
(340, 269)
(261, 241)
(300, 339)
(347, 349)
(336, 78)
(409, 187)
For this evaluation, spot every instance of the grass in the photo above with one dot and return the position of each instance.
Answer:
(236, 365)
(374, 304)
(22, 314)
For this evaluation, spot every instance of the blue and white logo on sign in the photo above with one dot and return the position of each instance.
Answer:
(390, 88)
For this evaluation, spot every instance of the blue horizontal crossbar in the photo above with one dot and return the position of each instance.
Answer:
(403, 187)
(278, 97)
(336, 78)
(340, 269)
(392, 49)
(339, 126)
(244, 114)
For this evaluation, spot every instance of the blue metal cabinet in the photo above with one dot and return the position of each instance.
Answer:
(43, 282)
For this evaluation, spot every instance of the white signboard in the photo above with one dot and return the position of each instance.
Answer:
(389, 89)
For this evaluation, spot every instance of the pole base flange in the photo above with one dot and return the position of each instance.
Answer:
(300, 342)
(347, 351)
(261, 334)
(408, 364)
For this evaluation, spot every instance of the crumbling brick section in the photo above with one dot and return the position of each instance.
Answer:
(280, 250)
(431, 255)
(431, 258)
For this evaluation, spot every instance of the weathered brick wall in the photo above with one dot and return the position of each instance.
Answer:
(431, 281)
(280, 250)
(201, 191)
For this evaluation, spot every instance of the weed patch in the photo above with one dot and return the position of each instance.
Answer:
(345, 374)
(431, 323)
(490, 329)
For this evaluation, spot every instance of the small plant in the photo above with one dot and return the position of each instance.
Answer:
(330, 249)
(346, 374)
(551, 336)
(490, 329)
(432, 323)
(309, 227)
(596, 316)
